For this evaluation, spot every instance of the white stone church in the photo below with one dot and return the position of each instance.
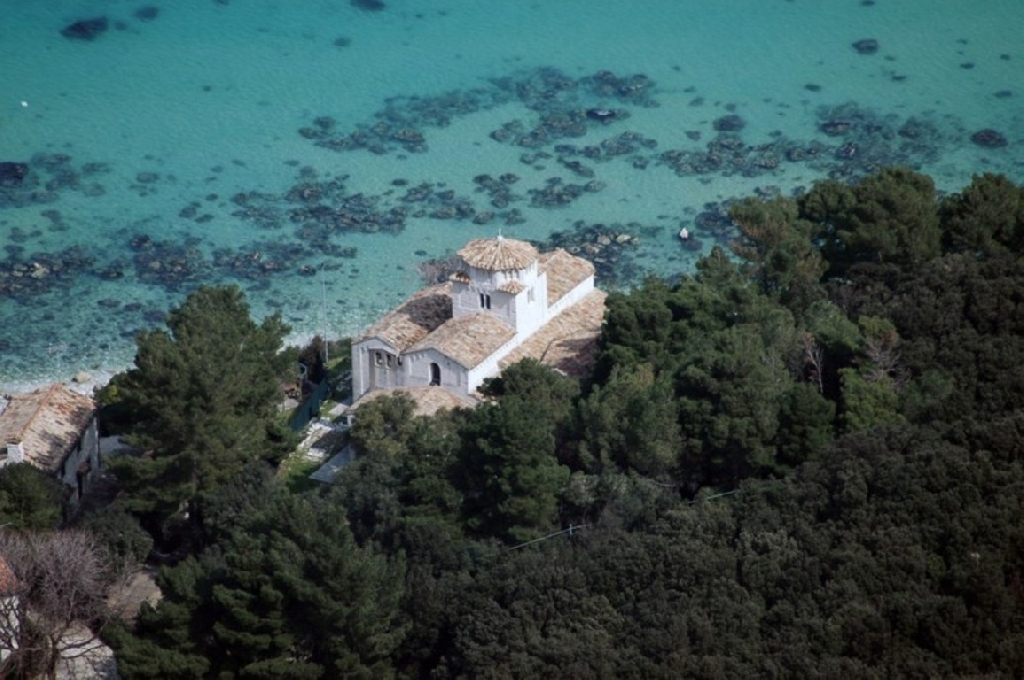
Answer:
(508, 302)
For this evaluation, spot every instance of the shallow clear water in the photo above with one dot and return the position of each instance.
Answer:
(139, 141)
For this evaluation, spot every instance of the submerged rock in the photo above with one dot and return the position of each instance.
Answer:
(730, 123)
(989, 138)
(866, 46)
(147, 13)
(86, 29)
(835, 128)
(847, 151)
(368, 5)
(12, 174)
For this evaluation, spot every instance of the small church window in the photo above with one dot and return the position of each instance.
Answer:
(485, 301)
(378, 358)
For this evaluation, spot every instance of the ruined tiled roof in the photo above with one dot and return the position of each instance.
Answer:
(468, 340)
(414, 319)
(568, 342)
(498, 254)
(47, 423)
(564, 272)
(461, 277)
(512, 287)
(428, 400)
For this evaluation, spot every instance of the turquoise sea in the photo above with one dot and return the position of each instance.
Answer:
(316, 152)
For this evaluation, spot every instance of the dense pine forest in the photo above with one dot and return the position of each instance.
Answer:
(804, 459)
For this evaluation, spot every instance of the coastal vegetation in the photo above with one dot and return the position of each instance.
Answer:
(201, 403)
(801, 459)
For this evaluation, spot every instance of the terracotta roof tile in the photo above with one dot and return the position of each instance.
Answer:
(498, 254)
(47, 422)
(564, 272)
(512, 287)
(428, 400)
(424, 320)
(468, 339)
(414, 319)
(567, 342)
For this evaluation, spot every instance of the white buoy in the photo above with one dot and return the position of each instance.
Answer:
(684, 234)
(24, 104)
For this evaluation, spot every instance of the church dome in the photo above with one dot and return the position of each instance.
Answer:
(498, 254)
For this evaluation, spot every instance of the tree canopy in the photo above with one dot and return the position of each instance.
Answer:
(802, 459)
(29, 498)
(200, 402)
(287, 594)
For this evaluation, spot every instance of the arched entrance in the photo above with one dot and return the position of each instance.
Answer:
(435, 373)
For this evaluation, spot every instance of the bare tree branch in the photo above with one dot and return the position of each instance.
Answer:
(56, 583)
(884, 360)
(814, 359)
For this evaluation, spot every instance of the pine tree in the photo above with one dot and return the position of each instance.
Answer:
(287, 595)
(201, 403)
(29, 499)
(510, 475)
